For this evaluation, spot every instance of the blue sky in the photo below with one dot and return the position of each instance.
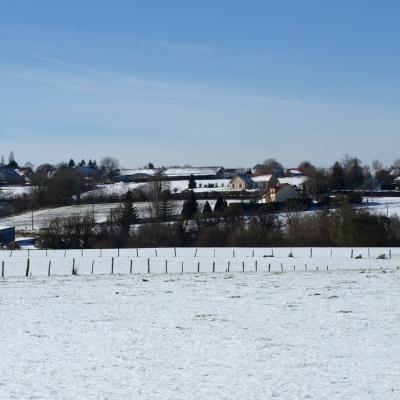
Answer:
(201, 83)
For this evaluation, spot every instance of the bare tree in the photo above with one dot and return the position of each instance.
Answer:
(109, 165)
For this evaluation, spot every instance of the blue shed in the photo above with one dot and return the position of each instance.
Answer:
(7, 234)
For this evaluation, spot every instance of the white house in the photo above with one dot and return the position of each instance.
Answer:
(281, 193)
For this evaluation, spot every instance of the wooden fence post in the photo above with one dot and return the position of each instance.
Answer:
(65, 252)
(82, 252)
(130, 267)
(166, 266)
(352, 252)
(369, 255)
(233, 252)
(272, 252)
(390, 253)
(229, 265)
(214, 253)
(198, 266)
(73, 267)
(253, 253)
(306, 266)
(112, 265)
(213, 266)
(195, 253)
(269, 267)
(175, 251)
(48, 272)
(281, 267)
(92, 266)
(27, 267)
(311, 253)
(242, 266)
(182, 267)
(148, 265)
(294, 268)
(118, 251)
(256, 266)
(155, 251)
(2, 269)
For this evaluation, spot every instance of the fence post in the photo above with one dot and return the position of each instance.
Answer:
(369, 255)
(27, 267)
(148, 265)
(242, 266)
(272, 252)
(92, 266)
(281, 267)
(331, 253)
(311, 253)
(155, 251)
(112, 265)
(213, 266)
(327, 268)
(256, 266)
(73, 267)
(229, 265)
(166, 266)
(233, 251)
(82, 252)
(182, 267)
(137, 252)
(390, 253)
(214, 253)
(11, 253)
(352, 252)
(65, 252)
(306, 266)
(48, 272)
(269, 267)
(130, 267)
(294, 268)
(2, 269)
(253, 253)
(175, 251)
(195, 253)
(198, 266)
(118, 251)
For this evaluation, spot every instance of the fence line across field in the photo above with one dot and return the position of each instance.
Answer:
(279, 252)
(13, 267)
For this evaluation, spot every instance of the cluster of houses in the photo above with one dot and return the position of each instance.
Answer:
(274, 188)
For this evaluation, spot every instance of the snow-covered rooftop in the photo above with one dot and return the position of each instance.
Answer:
(191, 171)
(262, 178)
(293, 180)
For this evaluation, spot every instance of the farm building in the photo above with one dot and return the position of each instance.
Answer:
(281, 193)
(7, 234)
(8, 176)
(138, 175)
(242, 182)
(264, 182)
(199, 173)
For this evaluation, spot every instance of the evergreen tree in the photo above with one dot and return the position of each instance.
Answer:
(71, 164)
(165, 209)
(190, 205)
(337, 177)
(356, 175)
(207, 208)
(128, 213)
(82, 163)
(220, 205)
(192, 182)
(11, 161)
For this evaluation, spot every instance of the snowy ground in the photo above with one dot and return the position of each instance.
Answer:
(192, 260)
(120, 188)
(11, 191)
(41, 218)
(304, 335)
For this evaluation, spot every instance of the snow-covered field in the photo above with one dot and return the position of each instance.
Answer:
(304, 335)
(11, 191)
(120, 188)
(192, 260)
(41, 218)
